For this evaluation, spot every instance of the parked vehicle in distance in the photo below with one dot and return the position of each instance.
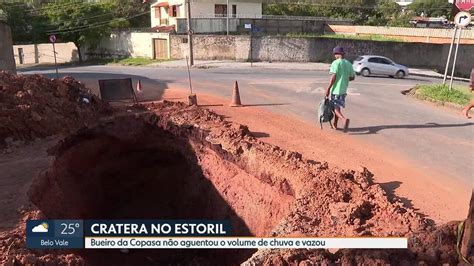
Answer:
(427, 22)
(367, 65)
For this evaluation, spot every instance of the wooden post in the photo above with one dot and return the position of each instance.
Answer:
(467, 243)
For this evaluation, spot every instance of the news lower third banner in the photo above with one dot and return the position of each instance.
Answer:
(178, 234)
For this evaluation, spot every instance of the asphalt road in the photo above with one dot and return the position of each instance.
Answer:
(434, 138)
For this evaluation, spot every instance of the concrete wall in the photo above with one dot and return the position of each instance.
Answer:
(263, 26)
(126, 44)
(283, 26)
(421, 55)
(426, 35)
(208, 47)
(212, 47)
(207, 25)
(6, 53)
(43, 53)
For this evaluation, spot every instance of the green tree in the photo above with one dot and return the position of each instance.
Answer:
(358, 10)
(385, 12)
(136, 10)
(80, 22)
(402, 20)
(388, 8)
(20, 20)
(431, 8)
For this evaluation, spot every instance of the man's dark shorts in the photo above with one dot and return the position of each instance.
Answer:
(338, 100)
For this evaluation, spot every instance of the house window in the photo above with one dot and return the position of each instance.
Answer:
(157, 12)
(220, 11)
(234, 11)
(173, 11)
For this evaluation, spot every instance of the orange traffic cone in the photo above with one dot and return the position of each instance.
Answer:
(236, 96)
(139, 86)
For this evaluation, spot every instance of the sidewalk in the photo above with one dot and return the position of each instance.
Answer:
(206, 64)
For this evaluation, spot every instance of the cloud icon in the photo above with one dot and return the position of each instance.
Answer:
(42, 228)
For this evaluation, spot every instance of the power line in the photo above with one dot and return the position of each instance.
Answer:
(111, 13)
(50, 6)
(347, 6)
(86, 18)
(94, 25)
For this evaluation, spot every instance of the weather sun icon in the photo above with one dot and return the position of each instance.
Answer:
(41, 228)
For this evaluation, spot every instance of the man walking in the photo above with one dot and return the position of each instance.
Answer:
(341, 73)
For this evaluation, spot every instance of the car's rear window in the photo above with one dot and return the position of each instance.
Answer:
(359, 58)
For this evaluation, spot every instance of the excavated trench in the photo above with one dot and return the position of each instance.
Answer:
(129, 169)
(170, 161)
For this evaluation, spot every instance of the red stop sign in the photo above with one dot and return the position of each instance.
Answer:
(465, 5)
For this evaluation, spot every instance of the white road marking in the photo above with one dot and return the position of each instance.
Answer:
(317, 90)
(321, 90)
(305, 87)
(324, 81)
(352, 91)
(382, 84)
(289, 82)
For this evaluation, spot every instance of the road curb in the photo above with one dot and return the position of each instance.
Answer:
(437, 77)
(241, 67)
(412, 94)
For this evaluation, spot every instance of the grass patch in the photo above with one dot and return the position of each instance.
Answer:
(440, 92)
(96, 61)
(372, 37)
(137, 61)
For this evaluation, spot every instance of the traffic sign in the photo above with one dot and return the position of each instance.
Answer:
(248, 26)
(464, 5)
(462, 19)
(52, 38)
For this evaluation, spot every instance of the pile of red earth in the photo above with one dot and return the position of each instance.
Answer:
(188, 162)
(33, 106)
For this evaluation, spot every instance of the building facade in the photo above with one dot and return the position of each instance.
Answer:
(167, 12)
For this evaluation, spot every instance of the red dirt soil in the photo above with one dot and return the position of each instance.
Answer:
(438, 196)
(271, 191)
(35, 107)
(169, 160)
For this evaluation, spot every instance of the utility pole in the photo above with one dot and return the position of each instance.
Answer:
(227, 17)
(190, 34)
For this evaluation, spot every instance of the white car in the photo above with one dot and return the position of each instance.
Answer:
(367, 65)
